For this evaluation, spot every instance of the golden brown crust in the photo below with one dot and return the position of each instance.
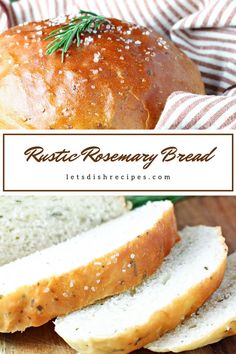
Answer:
(37, 304)
(160, 323)
(226, 330)
(120, 80)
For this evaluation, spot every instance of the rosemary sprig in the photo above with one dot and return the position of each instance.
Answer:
(65, 35)
(138, 201)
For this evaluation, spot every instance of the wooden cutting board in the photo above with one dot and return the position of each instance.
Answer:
(197, 210)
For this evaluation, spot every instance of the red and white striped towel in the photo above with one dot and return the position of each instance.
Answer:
(204, 29)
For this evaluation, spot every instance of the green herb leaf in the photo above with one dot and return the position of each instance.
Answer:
(63, 37)
(138, 201)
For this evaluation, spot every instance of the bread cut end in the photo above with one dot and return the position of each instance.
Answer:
(123, 323)
(211, 323)
(104, 261)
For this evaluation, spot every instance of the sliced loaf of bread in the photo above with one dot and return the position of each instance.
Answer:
(211, 323)
(29, 224)
(107, 260)
(126, 322)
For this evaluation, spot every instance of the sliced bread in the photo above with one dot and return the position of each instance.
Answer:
(107, 260)
(29, 224)
(126, 322)
(211, 323)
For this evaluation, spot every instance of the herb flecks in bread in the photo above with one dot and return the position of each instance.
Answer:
(129, 321)
(29, 224)
(215, 320)
(91, 266)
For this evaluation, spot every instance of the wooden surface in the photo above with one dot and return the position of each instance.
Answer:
(198, 210)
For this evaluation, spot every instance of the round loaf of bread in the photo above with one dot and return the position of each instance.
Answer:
(118, 78)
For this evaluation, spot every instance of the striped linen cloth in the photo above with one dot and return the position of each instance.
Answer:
(204, 29)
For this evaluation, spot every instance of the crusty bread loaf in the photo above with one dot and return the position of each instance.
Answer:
(119, 78)
(29, 224)
(123, 323)
(211, 323)
(107, 260)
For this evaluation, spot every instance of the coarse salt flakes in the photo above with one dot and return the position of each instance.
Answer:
(88, 40)
(127, 47)
(97, 263)
(46, 290)
(65, 112)
(132, 256)
(72, 283)
(93, 87)
(86, 287)
(65, 294)
(123, 270)
(96, 57)
(122, 58)
(58, 20)
(60, 72)
(98, 281)
(93, 289)
(137, 42)
(94, 72)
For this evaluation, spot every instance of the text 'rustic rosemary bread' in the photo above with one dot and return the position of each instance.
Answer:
(107, 260)
(123, 323)
(29, 224)
(211, 323)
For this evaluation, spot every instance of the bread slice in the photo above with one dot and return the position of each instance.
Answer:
(107, 260)
(211, 323)
(126, 322)
(29, 224)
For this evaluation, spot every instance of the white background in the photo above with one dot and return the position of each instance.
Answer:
(215, 175)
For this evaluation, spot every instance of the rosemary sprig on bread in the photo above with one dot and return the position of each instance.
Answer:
(64, 36)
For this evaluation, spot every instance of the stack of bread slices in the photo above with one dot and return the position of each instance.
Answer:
(132, 282)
